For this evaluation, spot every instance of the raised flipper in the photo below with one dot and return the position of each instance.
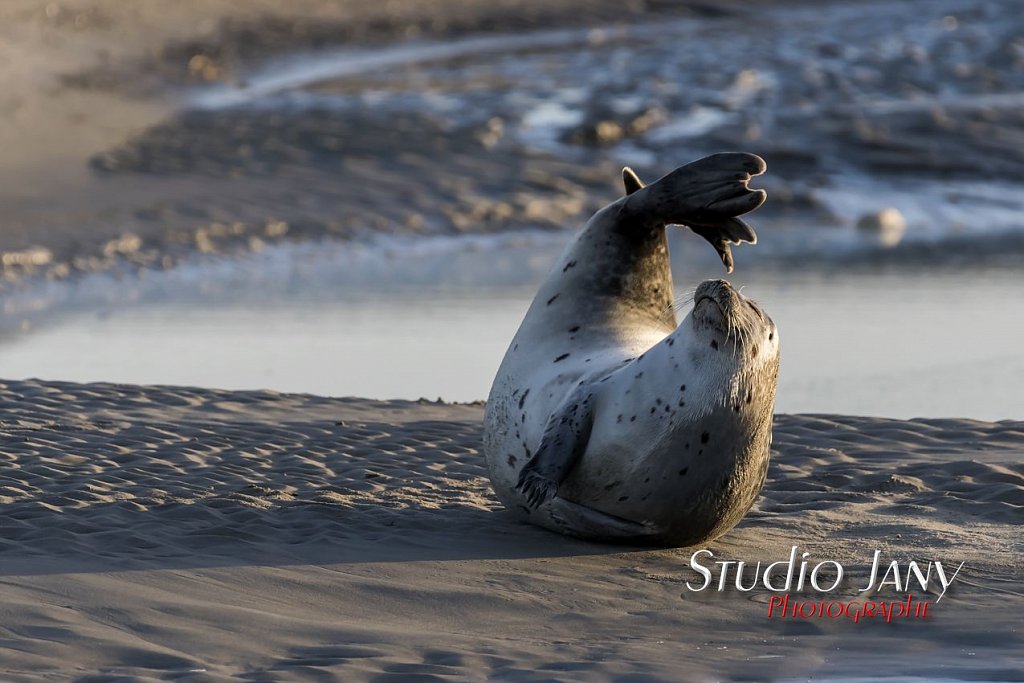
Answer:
(564, 440)
(707, 195)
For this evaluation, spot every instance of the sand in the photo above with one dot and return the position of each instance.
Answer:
(162, 533)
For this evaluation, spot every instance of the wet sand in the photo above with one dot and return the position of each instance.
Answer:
(83, 78)
(110, 163)
(156, 533)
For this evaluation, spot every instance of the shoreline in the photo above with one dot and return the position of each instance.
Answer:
(271, 535)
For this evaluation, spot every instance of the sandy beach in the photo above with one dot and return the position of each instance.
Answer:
(351, 199)
(157, 533)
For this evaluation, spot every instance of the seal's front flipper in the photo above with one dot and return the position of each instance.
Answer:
(564, 440)
(586, 522)
(707, 195)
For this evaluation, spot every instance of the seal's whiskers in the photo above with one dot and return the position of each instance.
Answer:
(684, 300)
(678, 304)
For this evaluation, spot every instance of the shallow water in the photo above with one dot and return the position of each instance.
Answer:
(308, 319)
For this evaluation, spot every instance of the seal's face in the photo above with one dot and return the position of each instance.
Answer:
(730, 331)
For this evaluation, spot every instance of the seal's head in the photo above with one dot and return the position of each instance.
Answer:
(729, 331)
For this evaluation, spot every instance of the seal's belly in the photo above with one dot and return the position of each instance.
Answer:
(690, 479)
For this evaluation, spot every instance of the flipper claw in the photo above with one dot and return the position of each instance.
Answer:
(536, 488)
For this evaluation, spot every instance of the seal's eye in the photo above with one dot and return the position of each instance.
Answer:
(771, 335)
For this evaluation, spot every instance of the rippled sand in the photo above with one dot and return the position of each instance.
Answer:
(159, 533)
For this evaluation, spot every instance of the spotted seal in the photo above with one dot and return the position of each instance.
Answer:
(607, 420)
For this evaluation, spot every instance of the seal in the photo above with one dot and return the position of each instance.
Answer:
(607, 420)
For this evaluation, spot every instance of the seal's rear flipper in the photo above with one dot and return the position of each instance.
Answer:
(707, 195)
(564, 440)
(586, 522)
(730, 230)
